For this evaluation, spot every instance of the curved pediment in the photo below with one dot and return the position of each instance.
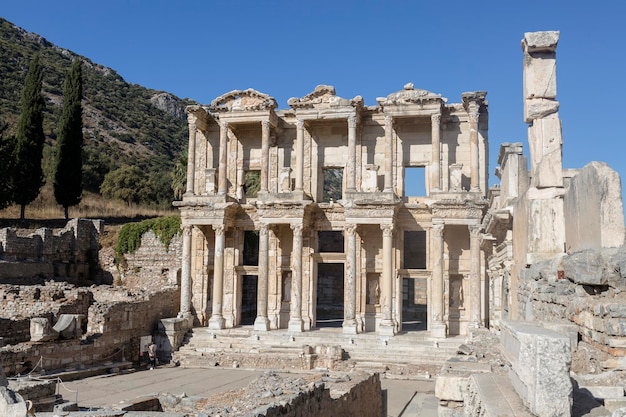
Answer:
(410, 95)
(243, 100)
(324, 97)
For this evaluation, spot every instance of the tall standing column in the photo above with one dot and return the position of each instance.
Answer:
(265, 154)
(473, 114)
(300, 155)
(435, 174)
(295, 313)
(387, 326)
(185, 282)
(349, 313)
(388, 154)
(222, 185)
(438, 326)
(191, 157)
(475, 293)
(262, 322)
(216, 321)
(351, 174)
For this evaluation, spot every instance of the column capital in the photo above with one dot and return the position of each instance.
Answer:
(352, 121)
(263, 228)
(350, 229)
(387, 229)
(473, 108)
(297, 229)
(437, 229)
(435, 118)
(187, 230)
(223, 124)
(265, 124)
(300, 123)
(219, 229)
(474, 229)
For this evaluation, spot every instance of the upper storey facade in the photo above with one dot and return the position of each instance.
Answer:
(324, 147)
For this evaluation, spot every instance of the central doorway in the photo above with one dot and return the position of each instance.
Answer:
(329, 307)
(414, 304)
(249, 289)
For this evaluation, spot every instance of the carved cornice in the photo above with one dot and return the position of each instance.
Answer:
(243, 100)
(324, 97)
(409, 95)
(459, 209)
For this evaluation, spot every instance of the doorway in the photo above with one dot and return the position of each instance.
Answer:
(414, 304)
(248, 299)
(329, 307)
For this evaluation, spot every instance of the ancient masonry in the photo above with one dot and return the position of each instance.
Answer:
(301, 218)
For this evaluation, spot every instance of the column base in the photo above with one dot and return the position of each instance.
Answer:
(261, 324)
(188, 317)
(295, 325)
(387, 328)
(350, 327)
(216, 322)
(439, 330)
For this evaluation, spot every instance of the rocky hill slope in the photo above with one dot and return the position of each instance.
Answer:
(124, 123)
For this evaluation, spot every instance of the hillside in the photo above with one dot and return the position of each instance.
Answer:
(124, 123)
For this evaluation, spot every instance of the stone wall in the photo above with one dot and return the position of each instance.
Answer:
(117, 319)
(70, 253)
(152, 265)
(587, 289)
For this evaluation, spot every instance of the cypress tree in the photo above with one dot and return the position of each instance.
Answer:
(7, 145)
(68, 179)
(28, 174)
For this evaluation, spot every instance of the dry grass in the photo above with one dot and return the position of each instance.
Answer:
(44, 211)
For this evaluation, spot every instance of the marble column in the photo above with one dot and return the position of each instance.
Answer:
(300, 155)
(216, 321)
(349, 301)
(222, 185)
(473, 108)
(191, 156)
(435, 174)
(295, 313)
(185, 281)
(437, 326)
(261, 322)
(387, 326)
(388, 154)
(475, 292)
(351, 166)
(265, 154)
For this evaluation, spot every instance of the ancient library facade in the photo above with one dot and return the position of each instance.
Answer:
(332, 213)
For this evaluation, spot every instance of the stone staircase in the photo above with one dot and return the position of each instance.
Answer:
(321, 348)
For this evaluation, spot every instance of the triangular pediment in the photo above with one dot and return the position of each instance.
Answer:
(243, 100)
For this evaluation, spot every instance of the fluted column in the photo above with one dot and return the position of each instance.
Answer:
(387, 326)
(185, 281)
(222, 185)
(262, 322)
(349, 308)
(295, 312)
(265, 154)
(435, 174)
(388, 154)
(300, 155)
(472, 110)
(191, 156)
(475, 293)
(438, 325)
(351, 168)
(217, 319)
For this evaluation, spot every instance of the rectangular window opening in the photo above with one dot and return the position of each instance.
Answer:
(252, 183)
(415, 181)
(415, 249)
(330, 241)
(251, 247)
(333, 184)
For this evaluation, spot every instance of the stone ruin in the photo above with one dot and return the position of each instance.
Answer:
(551, 292)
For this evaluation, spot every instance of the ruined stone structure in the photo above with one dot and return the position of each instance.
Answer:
(300, 218)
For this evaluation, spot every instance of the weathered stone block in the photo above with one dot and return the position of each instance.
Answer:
(540, 361)
(545, 144)
(41, 331)
(537, 108)
(587, 268)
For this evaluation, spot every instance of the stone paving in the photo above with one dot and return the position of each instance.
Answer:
(406, 398)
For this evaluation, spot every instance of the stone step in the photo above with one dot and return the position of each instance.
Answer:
(498, 397)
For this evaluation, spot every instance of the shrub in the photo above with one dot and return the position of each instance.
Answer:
(129, 238)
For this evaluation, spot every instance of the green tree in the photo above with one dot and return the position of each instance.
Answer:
(179, 176)
(28, 175)
(127, 183)
(7, 146)
(68, 182)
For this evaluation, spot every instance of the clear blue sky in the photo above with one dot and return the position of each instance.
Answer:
(202, 49)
